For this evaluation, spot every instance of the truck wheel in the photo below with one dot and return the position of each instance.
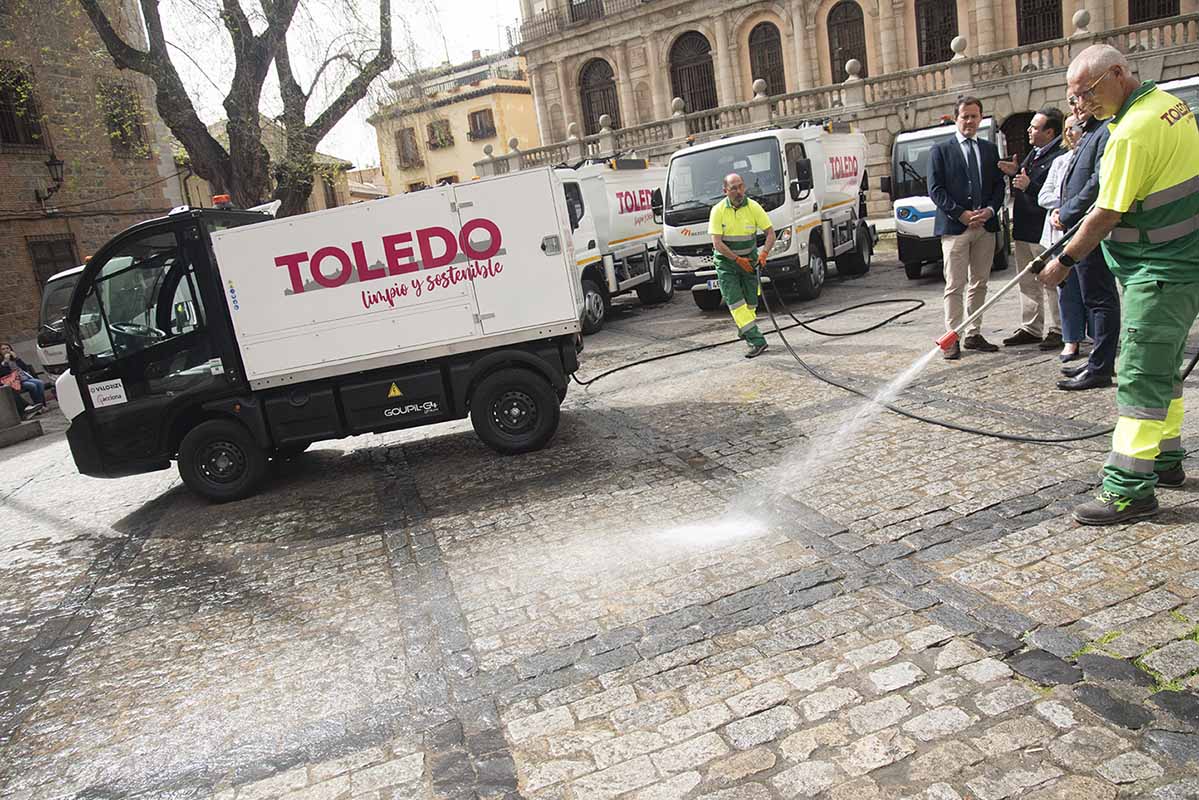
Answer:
(707, 300)
(220, 460)
(514, 411)
(856, 261)
(914, 271)
(660, 288)
(809, 284)
(595, 307)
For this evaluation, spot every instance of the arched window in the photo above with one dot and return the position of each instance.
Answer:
(1145, 10)
(691, 75)
(936, 25)
(1038, 20)
(597, 90)
(846, 38)
(766, 57)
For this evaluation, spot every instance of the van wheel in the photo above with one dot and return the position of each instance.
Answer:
(856, 261)
(707, 300)
(660, 288)
(220, 460)
(514, 411)
(595, 307)
(914, 271)
(811, 281)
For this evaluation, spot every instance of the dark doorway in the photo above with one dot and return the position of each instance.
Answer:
(597, 91)
(846, 38)
(766, 57)
(691, 75)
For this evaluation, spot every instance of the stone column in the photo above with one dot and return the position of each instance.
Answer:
(566, 94)
(526, 10)
(985, 21)
(657, 69)
(624, 86)
(725, 94)
(799, 35)
(888, 45)
(1099, 20)
(537, 85)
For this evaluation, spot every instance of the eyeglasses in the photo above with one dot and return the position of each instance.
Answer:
(1086, 94)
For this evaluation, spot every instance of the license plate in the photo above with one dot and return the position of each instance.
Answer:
(713, 284)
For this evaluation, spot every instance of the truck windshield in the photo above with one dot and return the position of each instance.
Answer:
(696, 180)
(909, 161)
(56, 299)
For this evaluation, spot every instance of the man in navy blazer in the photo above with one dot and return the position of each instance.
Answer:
(1080, 187)
(965, 184)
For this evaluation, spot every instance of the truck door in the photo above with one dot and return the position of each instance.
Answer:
(532, 285)
(143, 333)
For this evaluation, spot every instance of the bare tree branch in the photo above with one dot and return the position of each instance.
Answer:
(355, 90)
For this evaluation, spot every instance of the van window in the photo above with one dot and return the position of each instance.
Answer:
(574, 203)
(56, 299)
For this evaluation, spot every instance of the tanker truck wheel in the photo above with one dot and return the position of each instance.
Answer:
(595, 307)
(220, 460)
(809, 284)
(856, 261)
(660, 288)
(514, 411)
(707, 300)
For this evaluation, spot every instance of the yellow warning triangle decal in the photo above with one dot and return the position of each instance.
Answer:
(394, 391)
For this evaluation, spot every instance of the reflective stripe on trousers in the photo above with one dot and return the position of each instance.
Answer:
(744, 315)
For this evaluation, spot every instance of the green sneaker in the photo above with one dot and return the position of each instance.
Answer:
(1109, 508)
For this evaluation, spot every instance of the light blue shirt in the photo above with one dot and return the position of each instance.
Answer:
(978, 155)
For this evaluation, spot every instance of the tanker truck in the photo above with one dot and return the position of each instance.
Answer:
(617, 243)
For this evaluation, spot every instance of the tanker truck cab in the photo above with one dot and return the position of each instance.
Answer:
(915, 213)
(810, 182)
(223, 339)
(616, 240)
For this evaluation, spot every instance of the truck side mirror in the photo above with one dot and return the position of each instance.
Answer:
(884, 184)
(656, 204)
(802, 182)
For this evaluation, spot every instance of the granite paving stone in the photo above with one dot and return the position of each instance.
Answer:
(1044, 668)
(1130, 767)
(1183, 706)
(1174, 660)
(1100, 668)
(1112, 708)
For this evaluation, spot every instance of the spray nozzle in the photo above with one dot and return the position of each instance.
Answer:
(948, 340)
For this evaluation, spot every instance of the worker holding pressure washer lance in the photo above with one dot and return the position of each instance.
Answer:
(1147, 218)
(734, 225)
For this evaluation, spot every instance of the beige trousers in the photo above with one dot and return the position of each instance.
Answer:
(967, 258)
(1038, 302)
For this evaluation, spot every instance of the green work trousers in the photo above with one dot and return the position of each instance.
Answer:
(1157, 317)
(740, 291)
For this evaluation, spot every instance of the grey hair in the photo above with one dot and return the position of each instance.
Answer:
(729, 177)
(1096, 59)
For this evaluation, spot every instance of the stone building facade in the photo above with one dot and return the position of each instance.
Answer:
(61, 99)
(630, 58)
(440, 119)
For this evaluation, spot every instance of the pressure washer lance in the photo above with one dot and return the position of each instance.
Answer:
(1035, 266)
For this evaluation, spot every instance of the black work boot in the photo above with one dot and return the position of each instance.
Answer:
(1109, 508)
(1173, 477)
(756, 350)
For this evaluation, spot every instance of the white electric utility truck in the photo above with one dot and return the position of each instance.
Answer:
(810, 181)
(56, 296)
(223, 338)
(914, 210)
(617, 243)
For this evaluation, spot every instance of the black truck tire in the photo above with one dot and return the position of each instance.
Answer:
(514, 411)
(914, 271)
(857, 260)
(219, 460)
(595, 307)
(811, 281)
(707, 299)
(660, 287)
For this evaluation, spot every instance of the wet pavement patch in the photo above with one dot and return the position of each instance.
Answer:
(1182, 705)
(1106, 669)
(1044, 668)
(1112, 708)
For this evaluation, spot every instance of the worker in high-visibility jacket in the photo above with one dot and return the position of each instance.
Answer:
(734, 225)
(1148, 208)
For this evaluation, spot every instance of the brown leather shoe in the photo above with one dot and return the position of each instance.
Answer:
(977, 342)
(953, 353)
(1021, 337)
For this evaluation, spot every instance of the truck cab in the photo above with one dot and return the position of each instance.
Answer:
(914, 210)
(809, 180)
(617, 243)
(56, 298)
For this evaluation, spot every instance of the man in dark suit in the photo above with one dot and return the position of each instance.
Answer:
(1038, 302)
(1080, 187)
(965, 184)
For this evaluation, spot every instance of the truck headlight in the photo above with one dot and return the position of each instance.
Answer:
(783, 243)
(679, 262)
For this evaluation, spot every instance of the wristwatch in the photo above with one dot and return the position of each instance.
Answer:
(1065, 260)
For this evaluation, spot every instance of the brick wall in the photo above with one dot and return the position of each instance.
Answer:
(102, 193)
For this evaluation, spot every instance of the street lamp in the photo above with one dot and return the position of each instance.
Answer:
(54, 166)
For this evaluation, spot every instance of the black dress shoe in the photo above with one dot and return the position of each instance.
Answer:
(1051, 342)
(1021, 337)
(1072, 372)
(1067, 357)
(1085, 380)
(953, 353)
(977, 342)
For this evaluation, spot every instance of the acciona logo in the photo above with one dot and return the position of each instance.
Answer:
(427, 407)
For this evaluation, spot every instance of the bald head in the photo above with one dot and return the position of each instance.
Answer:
(1099, 80)
(1095, 60)
(734, 189)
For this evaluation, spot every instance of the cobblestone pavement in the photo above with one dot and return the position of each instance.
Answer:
(702, 589)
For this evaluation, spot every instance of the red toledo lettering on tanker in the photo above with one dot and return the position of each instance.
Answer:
(293, 261)
(339, 255)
